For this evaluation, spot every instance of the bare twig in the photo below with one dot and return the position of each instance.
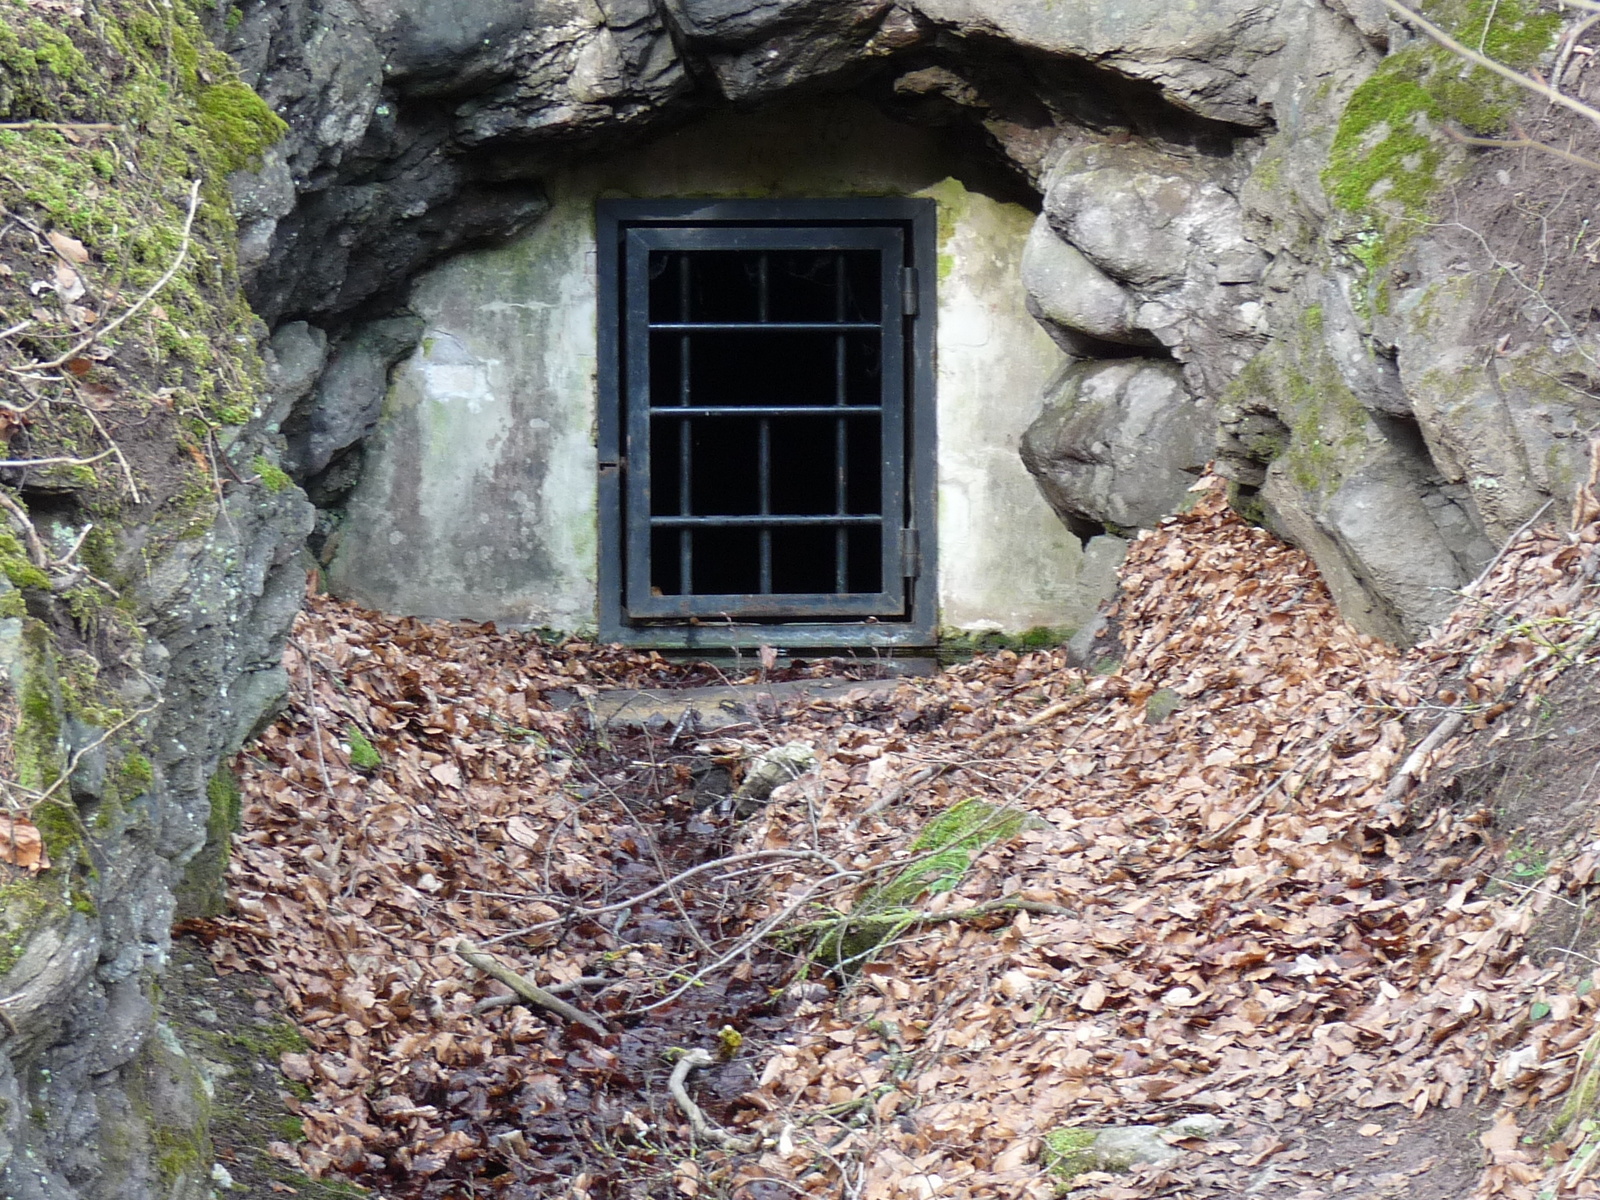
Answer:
(745, 943)
(1524, 143)
(30, 535)
(122, 460)
(909, 919)
(529, 991)
(1505, 548)
(150, 294)
(1568, 44)
(56, 462)
(75, 126)
(667, 885)
(703, 1128)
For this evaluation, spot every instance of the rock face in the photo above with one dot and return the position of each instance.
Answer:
(1181, 157)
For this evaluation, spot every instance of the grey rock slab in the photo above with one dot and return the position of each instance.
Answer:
(1202, 54)
(295, 358)
(716, 708)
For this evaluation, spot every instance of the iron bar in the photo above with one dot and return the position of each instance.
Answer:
(765, 453)
(755, 520)
(765, 327)
(685, 436)
(841, 435)
(768, 410)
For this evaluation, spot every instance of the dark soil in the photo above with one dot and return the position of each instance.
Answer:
(1535, 789)
(1533, 212)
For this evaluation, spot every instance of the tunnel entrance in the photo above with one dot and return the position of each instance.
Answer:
(767, 435)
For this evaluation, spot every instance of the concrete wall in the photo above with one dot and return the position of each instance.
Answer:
(478, 498)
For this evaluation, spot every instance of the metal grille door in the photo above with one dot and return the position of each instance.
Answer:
(763, 372)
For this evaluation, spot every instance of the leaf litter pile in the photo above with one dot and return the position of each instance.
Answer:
(1007, 899)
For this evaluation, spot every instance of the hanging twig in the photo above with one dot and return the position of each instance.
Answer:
(17, 463)
(75, 126)
(127, 470)
(1483, 60)
(1523, 143)
(30, 535)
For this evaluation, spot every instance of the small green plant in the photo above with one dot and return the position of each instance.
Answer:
(941, 856)
(1527, 862)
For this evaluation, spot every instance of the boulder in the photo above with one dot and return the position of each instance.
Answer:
(1170, 231)
(1206, 58)
(1119, 443)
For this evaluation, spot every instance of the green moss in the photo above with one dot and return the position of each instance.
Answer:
(239, 123)
(186, 116)
(202, 892)
(37, 740)
(363, 755)
(964, 644)
(269, 1043)
(1297, 379)
(179, 1152)
(136, 774)
(272, 477)
(25, 905)
(1161, 705)
(16, 565)
(941, 853)
(1068, 1152)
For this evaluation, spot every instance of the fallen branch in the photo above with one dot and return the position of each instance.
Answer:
(1402, 780)
(703, 1128)
(911, 918)
(529, 991)
(555, 989)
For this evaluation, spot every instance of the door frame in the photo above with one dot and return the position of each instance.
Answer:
(918, 218)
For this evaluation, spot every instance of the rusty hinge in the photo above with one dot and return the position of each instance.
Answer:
(910, 554)
(910, 291)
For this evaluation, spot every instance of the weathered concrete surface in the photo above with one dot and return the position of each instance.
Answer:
(479, 494)
(1006, 562)
(478, 498)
